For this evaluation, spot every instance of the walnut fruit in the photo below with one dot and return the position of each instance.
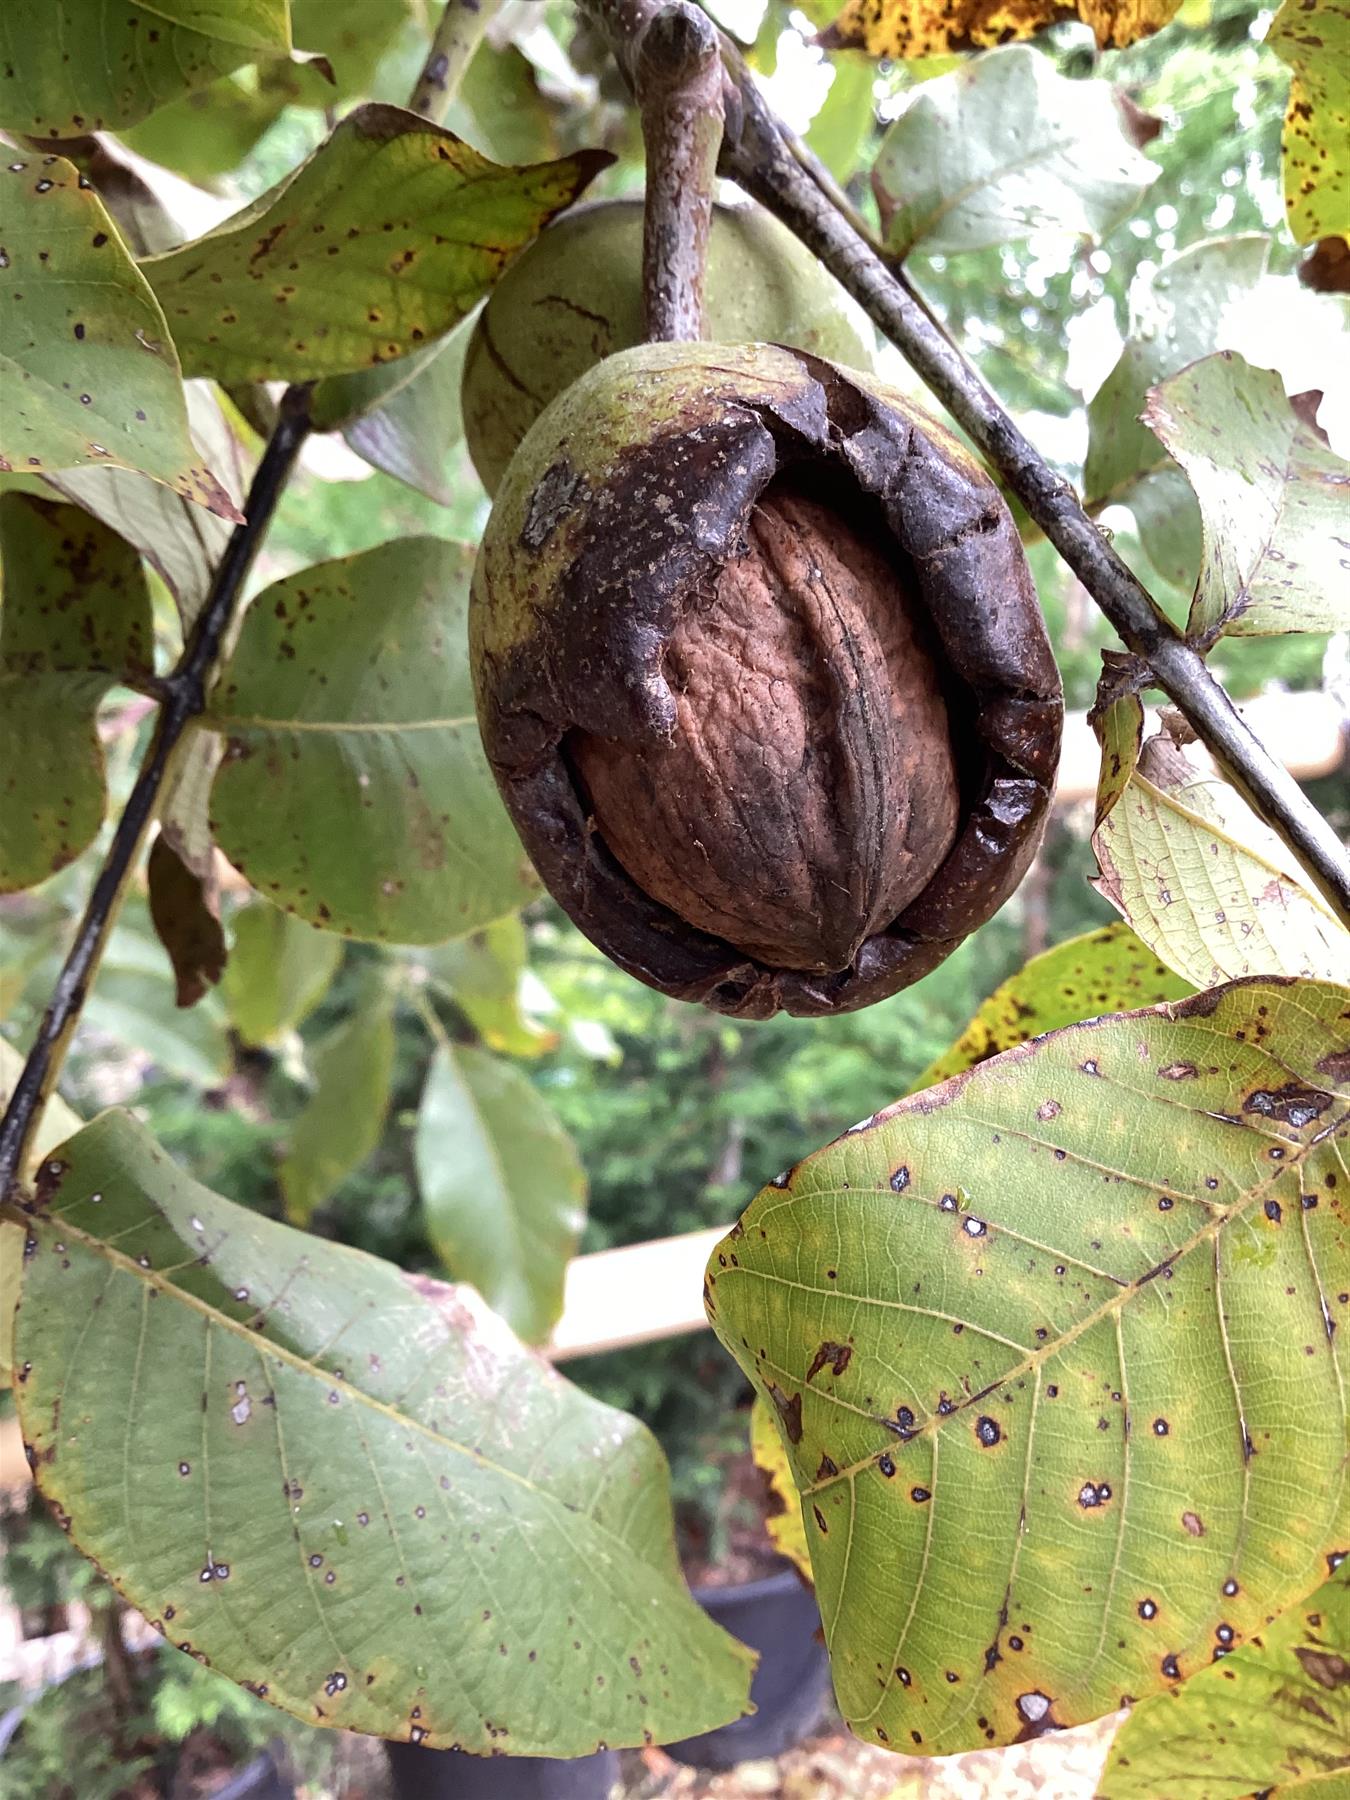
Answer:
(575, 296)
(762, 677)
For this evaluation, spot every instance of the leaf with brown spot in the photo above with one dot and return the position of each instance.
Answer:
(1148, 1253)
(185, 911)
(69, 67)
(88, 371)
(386, 238)
(381, 1482)
(1273, 1715)
(929, 28)
(74, 619)
(351, 680)
(1104, 971)
(785, 1525)
(1313, 37)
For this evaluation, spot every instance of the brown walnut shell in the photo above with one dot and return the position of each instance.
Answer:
(762, 677)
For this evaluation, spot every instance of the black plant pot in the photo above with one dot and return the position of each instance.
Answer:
(259, 1780)
(778, 1617)
(421, 1774)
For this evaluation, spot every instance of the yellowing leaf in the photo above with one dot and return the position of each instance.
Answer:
(785, 1527)
(1313, 37)
(383, 240)
(1275, 1714)
(1209, 888)
(899, 28)
(1104, 971)
(1057, 1350)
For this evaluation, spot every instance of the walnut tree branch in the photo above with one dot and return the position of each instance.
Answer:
(184, 693)
(756, 154)
(457, 37)
(678, 82)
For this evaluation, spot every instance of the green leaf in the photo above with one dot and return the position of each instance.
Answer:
(1210, 889)
(840, 131)
(1051, 1348)
(88, 372)
(410, 1525)
(1183, 313)
(133, 1004)
(69, 67)
(1274, 500)
(351, 36)
(403, 417)
(354, 790)
(1273, 1715)
(1003, 148)
(56, 1123)
(483, 974)
(278, 971)
(1104, 971)
(343, 1120)
(389, 234)
(75, 619)
(501, 108)
(1313, 37)
(502, 1187)
(181, 542)
(208, 133)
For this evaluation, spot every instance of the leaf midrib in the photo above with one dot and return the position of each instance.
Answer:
(1034, 1359)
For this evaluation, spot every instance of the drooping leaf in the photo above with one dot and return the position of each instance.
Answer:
(502, 1187)
(185, 912)
(1104, 971)
(1052, 1348)
(483, 973)
(88, 371)
(1003, 147)
(786, 1528)
(184, 822)
(352, 678)
(1210, 889)
(343, 1120)
(897, 28)
(383, 240)
(70, 67)
(1273, 1716)
(57, 1123)
(1274, 500)
(180, 541)
(1313, 37)
(353, 1490)
(278, 971)
(74, 619)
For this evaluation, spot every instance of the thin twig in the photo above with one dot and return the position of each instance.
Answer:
(184, 699)
(458, 36)
(755, 154)
(678, 82)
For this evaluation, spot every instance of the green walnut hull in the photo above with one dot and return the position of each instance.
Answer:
(575, 297)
